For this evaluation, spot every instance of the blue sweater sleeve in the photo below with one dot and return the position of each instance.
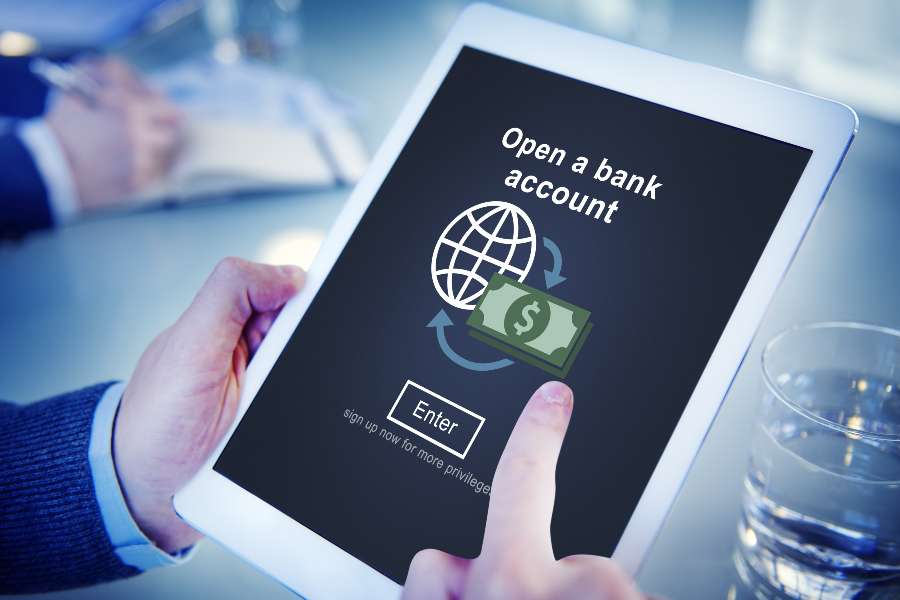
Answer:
(24, 204)
(52, 534)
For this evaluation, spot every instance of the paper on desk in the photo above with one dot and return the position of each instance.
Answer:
(250, 127)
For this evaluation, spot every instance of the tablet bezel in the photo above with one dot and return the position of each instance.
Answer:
(310, 564)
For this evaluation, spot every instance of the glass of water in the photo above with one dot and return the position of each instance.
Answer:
(820, 516)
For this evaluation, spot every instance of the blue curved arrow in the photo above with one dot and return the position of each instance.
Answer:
(553, 277)
(442, 321)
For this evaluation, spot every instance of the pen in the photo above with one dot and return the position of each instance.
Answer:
(67, 78)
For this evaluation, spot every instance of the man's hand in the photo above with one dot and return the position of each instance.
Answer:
(184, 393)
(118, 145)
(516, 559)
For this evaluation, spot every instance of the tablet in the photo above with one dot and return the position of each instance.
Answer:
(549, 205)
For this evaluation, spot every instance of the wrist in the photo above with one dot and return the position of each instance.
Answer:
(148, 502)
(157, 520)
(49, 154)
(128, 540)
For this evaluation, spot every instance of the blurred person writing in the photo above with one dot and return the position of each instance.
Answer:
(87, 478)
(64, 153)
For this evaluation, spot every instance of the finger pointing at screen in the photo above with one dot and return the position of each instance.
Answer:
(516, 559)
(525, 481)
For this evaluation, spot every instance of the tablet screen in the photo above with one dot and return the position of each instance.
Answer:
(533, 227)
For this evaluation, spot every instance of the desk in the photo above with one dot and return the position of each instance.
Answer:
(80, 304)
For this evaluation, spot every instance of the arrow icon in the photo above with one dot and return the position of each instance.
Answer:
(553, 277)
(440, 322)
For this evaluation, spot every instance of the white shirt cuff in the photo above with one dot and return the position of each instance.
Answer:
(129, 542)
(51, 162)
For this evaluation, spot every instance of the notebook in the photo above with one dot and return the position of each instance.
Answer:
(252, 128)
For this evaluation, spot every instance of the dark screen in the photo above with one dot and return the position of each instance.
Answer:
(660, 276)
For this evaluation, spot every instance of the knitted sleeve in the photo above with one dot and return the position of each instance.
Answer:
(52, 534)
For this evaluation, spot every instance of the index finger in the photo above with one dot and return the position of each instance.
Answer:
(234, 292)
(524, 486)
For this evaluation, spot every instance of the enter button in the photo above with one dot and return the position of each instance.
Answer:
(445, 424)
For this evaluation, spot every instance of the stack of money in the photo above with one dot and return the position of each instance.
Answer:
(530, 325)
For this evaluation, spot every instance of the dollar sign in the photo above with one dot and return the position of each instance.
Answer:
(527, 311)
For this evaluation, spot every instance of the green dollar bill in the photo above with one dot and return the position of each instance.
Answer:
(531, 321)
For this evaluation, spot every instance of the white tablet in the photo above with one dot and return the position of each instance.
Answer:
(549, 205)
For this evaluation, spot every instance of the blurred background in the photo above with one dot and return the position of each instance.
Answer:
(278, 105)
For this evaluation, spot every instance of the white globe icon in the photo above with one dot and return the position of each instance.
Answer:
(491, 237)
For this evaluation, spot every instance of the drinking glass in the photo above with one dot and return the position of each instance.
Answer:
(266, 30)
(820, 515)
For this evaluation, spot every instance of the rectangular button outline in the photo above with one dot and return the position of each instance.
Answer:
(391, 418)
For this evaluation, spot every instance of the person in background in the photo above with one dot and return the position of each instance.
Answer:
(62, 154)
(87, 478)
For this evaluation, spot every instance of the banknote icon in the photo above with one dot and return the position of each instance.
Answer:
(530, 325)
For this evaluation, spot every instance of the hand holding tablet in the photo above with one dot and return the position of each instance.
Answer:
(183, 394)
(516, 559)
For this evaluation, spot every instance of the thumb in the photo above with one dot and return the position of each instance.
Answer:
(235, 291)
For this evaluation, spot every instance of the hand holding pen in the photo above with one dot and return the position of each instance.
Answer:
(117, 134)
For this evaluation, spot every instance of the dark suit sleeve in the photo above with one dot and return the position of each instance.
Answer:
(22, 95)
(24, 205)
(52, 534)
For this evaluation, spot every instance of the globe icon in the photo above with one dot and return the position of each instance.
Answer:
(491, 237)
